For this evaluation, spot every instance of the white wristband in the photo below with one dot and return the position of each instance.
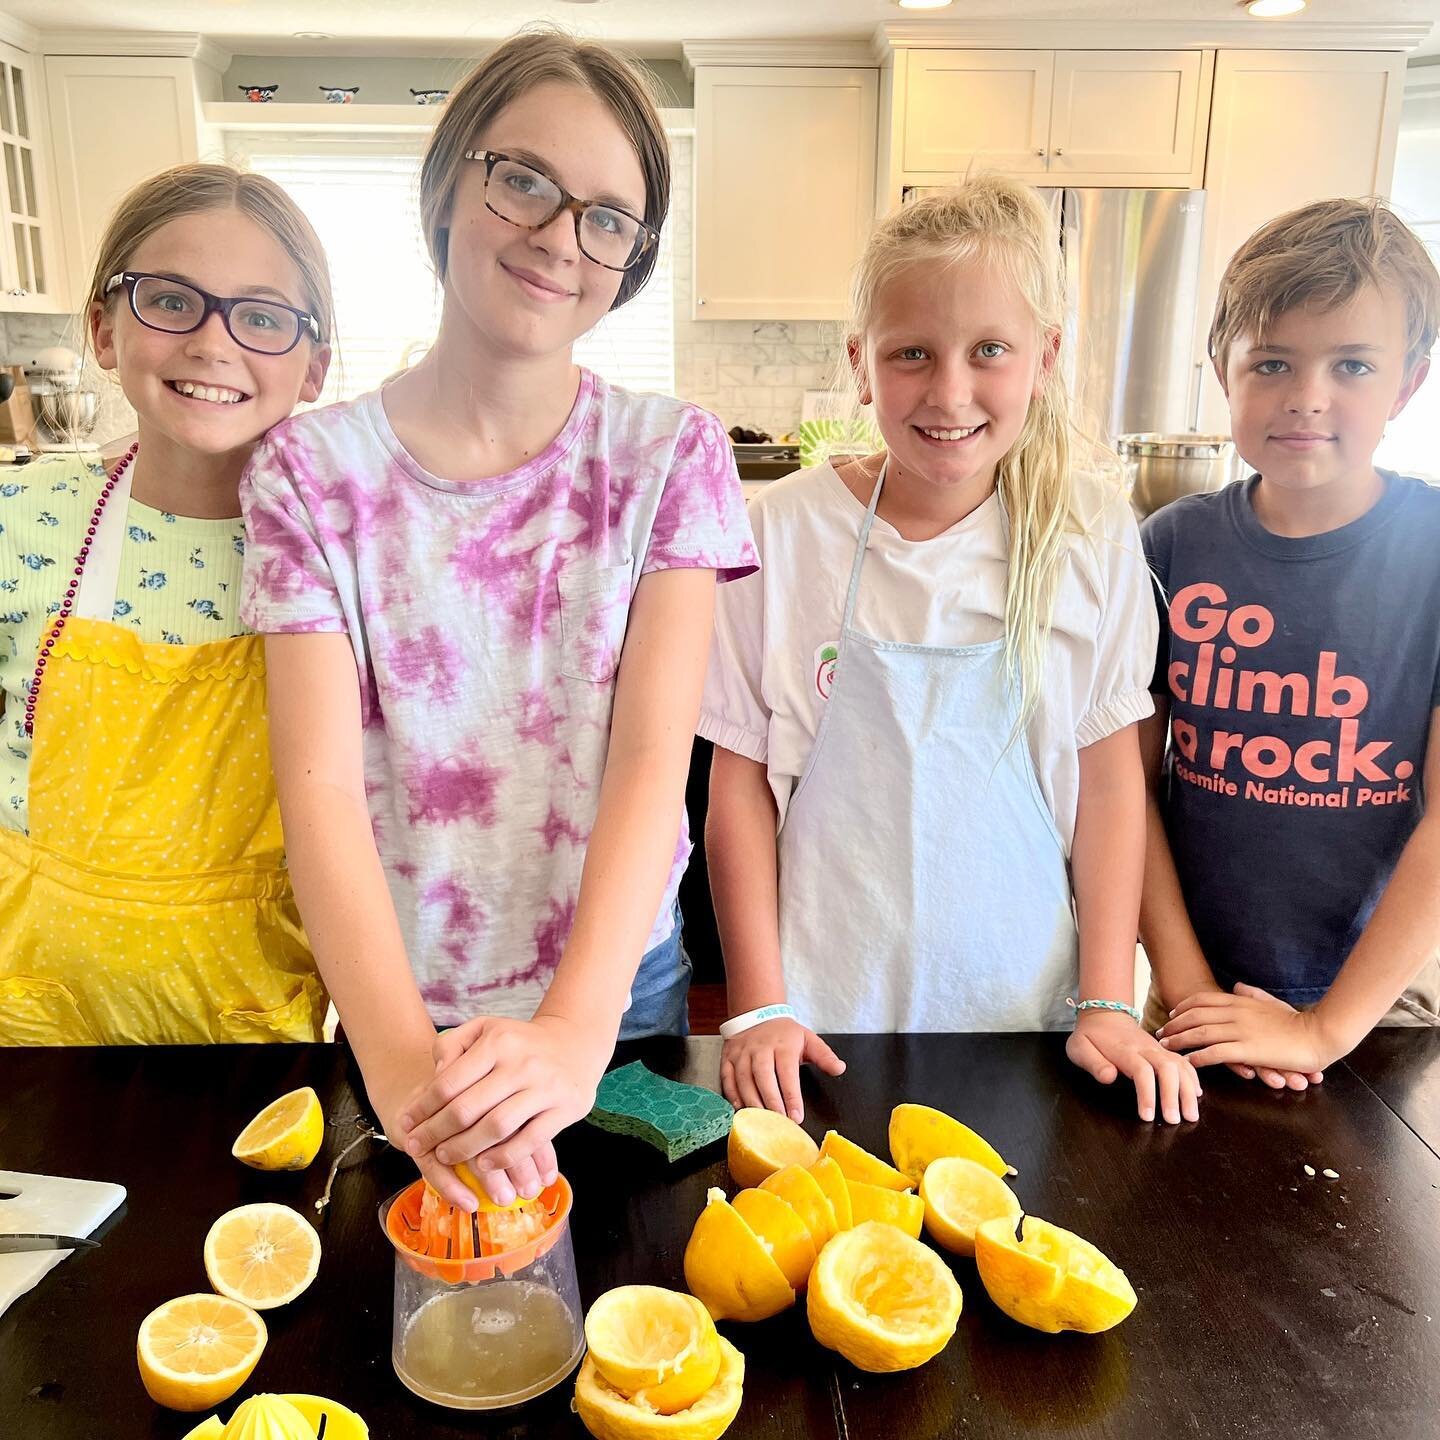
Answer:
(751, 1018)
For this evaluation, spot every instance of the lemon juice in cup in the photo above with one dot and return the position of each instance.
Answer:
(487, 1309)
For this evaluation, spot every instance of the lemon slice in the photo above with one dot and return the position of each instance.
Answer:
(655, 1346)
(891, 1207)
(762, 1142)
(262, 1255)
(609, 1415)
(884, 1301)
(728, 1267)
(858, 1164)
(197, 1350)
(959, 1194)
(285, 1135)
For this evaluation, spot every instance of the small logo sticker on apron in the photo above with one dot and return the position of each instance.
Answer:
(825, 658)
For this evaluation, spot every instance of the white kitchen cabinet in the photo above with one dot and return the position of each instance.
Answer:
(1053, 117)
(30, 272)
(989, 108)
(117, 120)
(784, 188)
(1288, 127)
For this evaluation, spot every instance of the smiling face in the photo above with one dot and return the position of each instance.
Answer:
(532, 293)
(204, 391)
(1310, 400)
(952, 358)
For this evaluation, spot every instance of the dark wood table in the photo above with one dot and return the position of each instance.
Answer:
(1271, 1303)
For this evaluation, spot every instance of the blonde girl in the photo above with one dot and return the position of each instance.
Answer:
(926, 806)
(143, 892)
(488, 591)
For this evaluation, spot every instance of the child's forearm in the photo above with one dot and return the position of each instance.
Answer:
(740, 852)
(1173, 949)
(632, 842)
(1403, 933)
(359, 951)
(1107, 865)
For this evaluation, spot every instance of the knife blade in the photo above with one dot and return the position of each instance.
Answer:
(17, 1244)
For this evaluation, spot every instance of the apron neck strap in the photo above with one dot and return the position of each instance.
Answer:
(100, 570)
(865, 527)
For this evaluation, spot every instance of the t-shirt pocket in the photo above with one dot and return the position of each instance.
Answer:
(594, 609)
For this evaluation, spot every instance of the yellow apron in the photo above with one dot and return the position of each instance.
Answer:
(150, 903)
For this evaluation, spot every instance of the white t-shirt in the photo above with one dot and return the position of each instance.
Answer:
(770, 672)
(487, 621)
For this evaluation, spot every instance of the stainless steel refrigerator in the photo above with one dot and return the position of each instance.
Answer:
(1132, 271)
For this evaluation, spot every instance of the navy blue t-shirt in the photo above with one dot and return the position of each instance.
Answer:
(1301, 676)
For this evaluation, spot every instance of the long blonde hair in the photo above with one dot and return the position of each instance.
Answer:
(1003, 224)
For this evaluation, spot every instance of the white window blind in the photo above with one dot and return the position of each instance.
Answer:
(362, 196)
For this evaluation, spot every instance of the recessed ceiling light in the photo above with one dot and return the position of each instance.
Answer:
(311, 35)
(1270, 9)
(922, 4)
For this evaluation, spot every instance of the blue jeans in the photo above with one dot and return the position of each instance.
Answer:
(660, 991)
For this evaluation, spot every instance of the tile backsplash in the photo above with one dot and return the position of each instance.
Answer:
(749, 372)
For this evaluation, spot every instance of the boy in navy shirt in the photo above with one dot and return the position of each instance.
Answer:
(1292, 878)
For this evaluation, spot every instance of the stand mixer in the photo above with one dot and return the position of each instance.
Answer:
(64, 407)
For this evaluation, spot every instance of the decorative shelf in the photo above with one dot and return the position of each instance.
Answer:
(246, 115)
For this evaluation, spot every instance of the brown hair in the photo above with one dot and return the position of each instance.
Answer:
(1320, 255)
(193, 189)
(522, 62)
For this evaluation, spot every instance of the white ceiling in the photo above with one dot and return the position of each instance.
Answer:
(649, 25)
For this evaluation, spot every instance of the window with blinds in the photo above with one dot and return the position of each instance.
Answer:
(362, 196)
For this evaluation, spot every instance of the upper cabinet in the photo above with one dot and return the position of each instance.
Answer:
(784, 188)
(1069, 117)
(30, 278)
(114, 121)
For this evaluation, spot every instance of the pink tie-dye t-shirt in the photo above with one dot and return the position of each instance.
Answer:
(487, 621)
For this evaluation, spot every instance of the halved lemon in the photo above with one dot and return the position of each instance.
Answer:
(197, 1350)
(728, 1268)
(655, 1346)
(919, 1135)
(959, 1194)
(781, 1231)
(801, 1191)
(262, 1255)
(762, 1142)
(285, 1135)
(831, 1179)
(1050, 1279)
(858, 1164)
(901, 1208)
(884, 1301)
(609, 1415)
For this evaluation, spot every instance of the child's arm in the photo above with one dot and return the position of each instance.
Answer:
(505, 1088)
(1403, 933)
(760, 1066)
(1171, 944)
(1107, 862)
(315, 742)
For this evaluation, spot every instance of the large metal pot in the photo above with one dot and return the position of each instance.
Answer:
(1161, 468)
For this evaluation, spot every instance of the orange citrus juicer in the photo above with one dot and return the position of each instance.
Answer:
(441, 1240)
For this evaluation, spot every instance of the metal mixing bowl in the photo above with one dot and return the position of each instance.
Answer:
(1161, 468)
(69, 415)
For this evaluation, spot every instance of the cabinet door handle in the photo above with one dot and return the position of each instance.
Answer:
(19, 294)
(1058, 152)
(1040, 154)
(701, 300)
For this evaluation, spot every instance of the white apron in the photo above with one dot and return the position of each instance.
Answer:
(923, 885)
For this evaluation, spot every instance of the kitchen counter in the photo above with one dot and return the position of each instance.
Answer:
(1271, 1302)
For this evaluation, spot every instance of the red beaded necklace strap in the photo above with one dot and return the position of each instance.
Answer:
(72, 589)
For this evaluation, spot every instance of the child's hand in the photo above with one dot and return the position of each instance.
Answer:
(1250, 1028)
(390, 1095)
(1107, 1043)
(761, 1066)
(1275, 1079)
(502, 1090)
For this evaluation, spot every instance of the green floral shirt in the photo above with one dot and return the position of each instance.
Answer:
(179, 584)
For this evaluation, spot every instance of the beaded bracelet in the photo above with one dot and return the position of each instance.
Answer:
(752, 1018)
(1118, 1005)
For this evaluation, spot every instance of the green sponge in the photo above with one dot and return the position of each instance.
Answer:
(672, 1117)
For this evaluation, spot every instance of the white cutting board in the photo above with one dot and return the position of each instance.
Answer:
(49, 1205)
